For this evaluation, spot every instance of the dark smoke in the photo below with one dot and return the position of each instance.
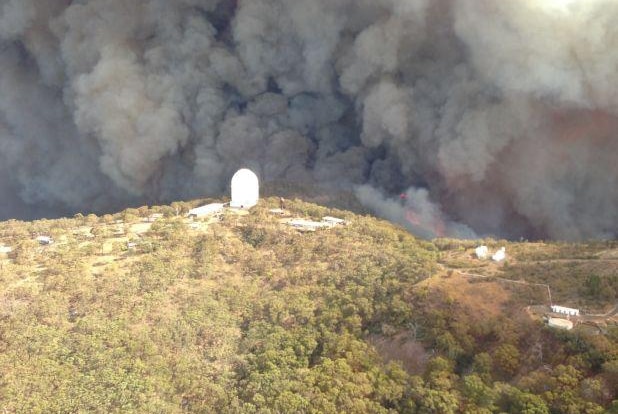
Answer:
(497, 116)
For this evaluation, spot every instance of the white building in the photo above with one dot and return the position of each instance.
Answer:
(565, 311)
(44, 240)
(500, 255)
(207, 210)
(245, 189)
(333, 221)
(5, 249)
(308, 225)
(154, 217)
(560, 324)
(482, 252)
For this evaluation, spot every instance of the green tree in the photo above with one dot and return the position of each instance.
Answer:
(525, 403)
(482, 365)
(476, 392)
(593, 286)
(506, 359)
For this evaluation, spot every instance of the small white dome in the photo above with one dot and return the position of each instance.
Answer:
(481, 252)
(500, 255)
(245, 189)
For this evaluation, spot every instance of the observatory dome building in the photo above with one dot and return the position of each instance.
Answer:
(245, 189)
(481, 252)
(500, 255)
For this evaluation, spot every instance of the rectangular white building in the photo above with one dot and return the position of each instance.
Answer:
(207, 210)
(565, 311)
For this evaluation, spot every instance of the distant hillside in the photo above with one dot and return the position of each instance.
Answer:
(149, 311)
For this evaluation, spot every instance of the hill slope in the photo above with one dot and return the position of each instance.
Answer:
(247, 314)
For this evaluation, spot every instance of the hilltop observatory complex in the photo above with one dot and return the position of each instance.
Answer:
(245, 189)
(245, 194)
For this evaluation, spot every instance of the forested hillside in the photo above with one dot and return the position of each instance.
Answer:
(245, 314)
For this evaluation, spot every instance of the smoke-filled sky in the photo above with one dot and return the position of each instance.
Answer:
(454, 117)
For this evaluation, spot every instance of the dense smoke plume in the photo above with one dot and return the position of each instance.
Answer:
(453, 116)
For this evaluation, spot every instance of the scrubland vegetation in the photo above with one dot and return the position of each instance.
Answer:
(247, 315)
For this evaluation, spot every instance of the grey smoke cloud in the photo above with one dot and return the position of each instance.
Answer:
(491, 117)
(413, 210)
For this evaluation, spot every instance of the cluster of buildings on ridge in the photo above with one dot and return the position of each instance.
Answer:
(246, 194)
(245, 191)
(561, 323)
(482, 253)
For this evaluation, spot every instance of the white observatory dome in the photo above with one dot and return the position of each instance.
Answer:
(245, 189)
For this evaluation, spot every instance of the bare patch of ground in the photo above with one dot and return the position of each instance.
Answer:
(609, 255)
(140, 228)
(486, 298)
(403, 349)
(201, 226)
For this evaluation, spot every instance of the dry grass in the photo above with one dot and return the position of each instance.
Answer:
(484, 298)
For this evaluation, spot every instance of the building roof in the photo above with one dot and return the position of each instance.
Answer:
(562, 309)
(44, 239)
(307, 224)
(206, 210)
(560, 323)
(333, 220)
